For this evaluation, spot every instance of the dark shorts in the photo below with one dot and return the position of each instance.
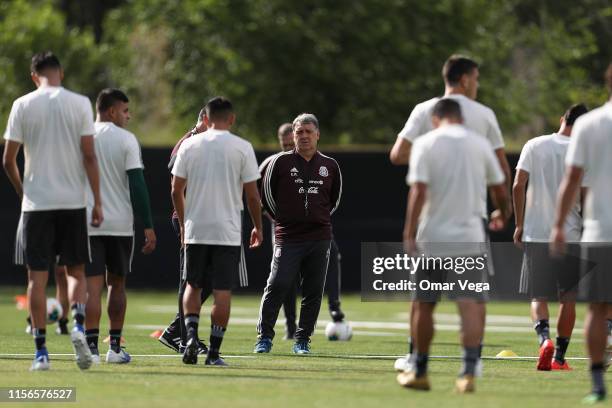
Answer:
(596, 273)
(546, 277)
(218, 264)
(110, 253)
(47, 234)
(433, 282)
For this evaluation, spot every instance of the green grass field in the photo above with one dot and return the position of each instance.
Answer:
(338, 374)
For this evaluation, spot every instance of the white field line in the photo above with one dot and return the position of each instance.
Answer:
(403, 326)
(347, 356)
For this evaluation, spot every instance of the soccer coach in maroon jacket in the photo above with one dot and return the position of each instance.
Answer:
(301, 189)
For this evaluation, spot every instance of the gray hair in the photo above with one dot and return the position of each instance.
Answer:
(305, 118)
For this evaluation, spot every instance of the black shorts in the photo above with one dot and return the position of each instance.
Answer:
(47, 234)
(545, 277)
(218, 264)
(596, 272)
(110, 253)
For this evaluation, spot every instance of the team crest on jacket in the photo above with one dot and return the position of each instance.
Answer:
(294, 172)
(323, 171)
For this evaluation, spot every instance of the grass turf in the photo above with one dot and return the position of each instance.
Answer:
(336, 374)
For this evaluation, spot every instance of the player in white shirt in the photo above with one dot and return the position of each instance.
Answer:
(461, 84)
(125, 193)
(542, 164)
(450, 161)
(55, 127)
(214, 168)
(589, 155)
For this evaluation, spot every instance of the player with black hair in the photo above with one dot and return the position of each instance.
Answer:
(125, 193)
(56, 128)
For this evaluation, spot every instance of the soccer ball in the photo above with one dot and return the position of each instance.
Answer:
(338, 331)
(54, 310)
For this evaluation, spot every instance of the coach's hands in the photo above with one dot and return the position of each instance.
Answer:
(96, 215)
(256, 238)
(150, 241)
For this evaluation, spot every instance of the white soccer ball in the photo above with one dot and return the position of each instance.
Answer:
(338, 331)
(54, 310)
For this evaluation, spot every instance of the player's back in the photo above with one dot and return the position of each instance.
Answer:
(544, 159)
(51, 121)
(215, 162)
(457, 167)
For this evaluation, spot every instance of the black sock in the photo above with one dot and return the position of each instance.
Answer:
(192, 321)
(421, 364)
(561, 349)
(115, 340)
(92, 336)
(542, 328)
(40, 338)
(78, 313)
(470, 358)
(609, 327)
(216, 337)
(410, 345)
(597, 376)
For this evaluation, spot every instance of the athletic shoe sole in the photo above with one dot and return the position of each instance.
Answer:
(546, 354)
(81, 350)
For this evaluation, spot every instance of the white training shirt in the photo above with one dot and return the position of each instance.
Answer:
(455, 164)
(50, 122)
(216, 164)
(476, 117)
(591, 149)
(543, 158)
(118, 151)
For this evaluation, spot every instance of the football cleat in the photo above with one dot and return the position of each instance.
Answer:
(81, 349)
(555, 365)
(190, 356)
(122, 357)
(170, 340)
(95, 358)
(409, 379)
(465, 384)
(302, 347)
(263, 345)
(216, 362)
(404, 363)
(336, 314)
(593, 398)
(41, 361)
(547, 349)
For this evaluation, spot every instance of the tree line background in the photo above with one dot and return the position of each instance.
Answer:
(360, 66)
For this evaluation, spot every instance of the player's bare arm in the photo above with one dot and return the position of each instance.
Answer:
(501, 201)
(90, 162)
(254, 206)
(400, 152)
(519, 189)
(179, 185)
(416, 199)
(9, 162)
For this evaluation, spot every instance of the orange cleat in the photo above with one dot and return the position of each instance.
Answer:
(547, 349)
(560, 367)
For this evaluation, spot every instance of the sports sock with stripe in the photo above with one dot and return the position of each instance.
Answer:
(216, 337)
(470, 358)
(40, 338)
(542, 328)
(92, 336)
(115, 340)
(78, 313)
(597, 377)
(192, 321)
(421, 364)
